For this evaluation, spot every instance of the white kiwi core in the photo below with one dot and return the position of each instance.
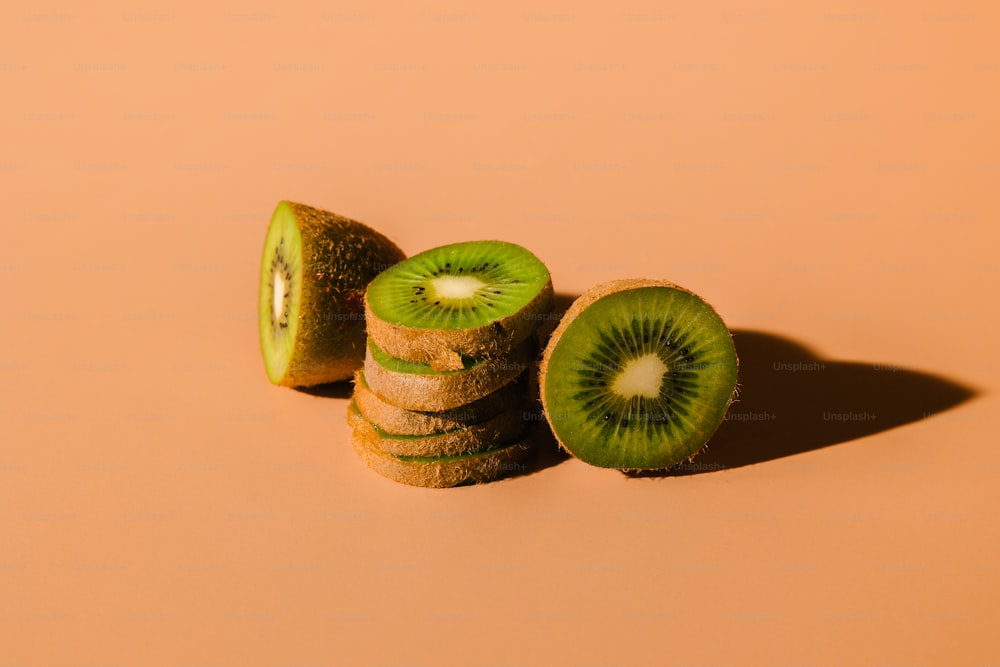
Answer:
(457, 287)
(641, 377)
(278, 298)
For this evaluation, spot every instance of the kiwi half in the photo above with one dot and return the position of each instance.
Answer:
(315, 269)
(473, 299)
(417, 386)
(638, 375)
(440, 471)
(465, 440)
(391, 419)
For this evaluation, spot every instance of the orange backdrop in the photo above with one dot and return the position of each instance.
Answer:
(826, 174)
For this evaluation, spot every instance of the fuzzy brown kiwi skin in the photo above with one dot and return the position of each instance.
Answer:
(394, 420)
(484, 467)
(578, 306)
(467, 440)
(443, 348)
(434, 393)
(340, 257)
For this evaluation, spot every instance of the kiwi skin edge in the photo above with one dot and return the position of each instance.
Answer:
(399, 421)
(340, 256)
(457, 442)
(447, 390)
(485, 466)
(582, 303)
(443, 349)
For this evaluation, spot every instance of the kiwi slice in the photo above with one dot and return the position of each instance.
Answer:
(638, 375)
(412, 385)
(464, 440)
(390, 419)
(313, 276)
(472, 299)
(440, 471)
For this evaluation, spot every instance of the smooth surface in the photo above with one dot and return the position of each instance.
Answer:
(825, 174)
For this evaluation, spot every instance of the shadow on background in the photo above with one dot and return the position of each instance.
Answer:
(563, 300)
(330, 390)
(547, 452)
(792, 401)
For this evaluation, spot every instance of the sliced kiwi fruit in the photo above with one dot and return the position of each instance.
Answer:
(313, 275)
(473, 299)
(441, 471)
(391, 419)
(464, 440)
(638, 375)
(413, 385)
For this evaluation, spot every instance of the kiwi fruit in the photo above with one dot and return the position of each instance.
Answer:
(314, 272)
(463, 440)
(391, 419)
(414, 385)
(440, 471)
(473, 299)
(638, 375)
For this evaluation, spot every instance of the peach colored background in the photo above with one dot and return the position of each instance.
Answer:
(826, 174)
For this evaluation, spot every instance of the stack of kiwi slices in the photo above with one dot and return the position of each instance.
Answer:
(451, 338)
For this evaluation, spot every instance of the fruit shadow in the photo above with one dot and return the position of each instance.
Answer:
(792, 401)
(330, 390)
(546, 452)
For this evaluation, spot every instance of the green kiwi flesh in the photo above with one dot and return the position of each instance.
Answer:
(441, 471)
(418, 386)
(315, 269)
(393, 420)
(638, 375)
(472, 299)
